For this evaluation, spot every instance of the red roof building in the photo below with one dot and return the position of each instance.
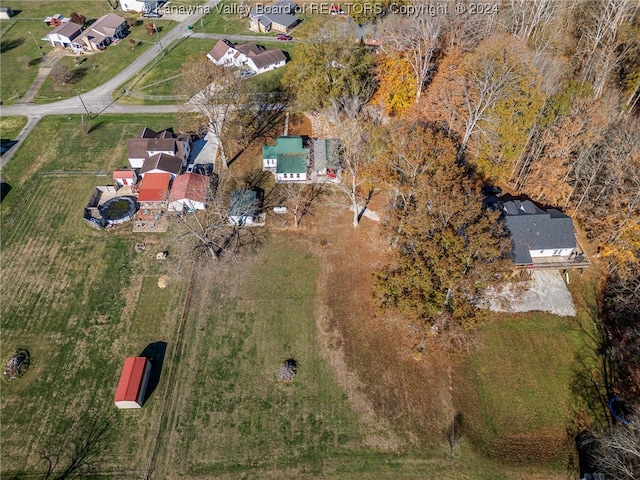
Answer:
(189, 191)
(154, 187)
(133, 383)
(125, 176)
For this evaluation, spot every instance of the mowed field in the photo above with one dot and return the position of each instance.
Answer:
(74, 298)
(361, 406)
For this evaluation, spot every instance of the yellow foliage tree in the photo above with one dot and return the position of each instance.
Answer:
(396, 84)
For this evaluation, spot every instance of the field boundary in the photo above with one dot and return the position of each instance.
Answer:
(168, 397)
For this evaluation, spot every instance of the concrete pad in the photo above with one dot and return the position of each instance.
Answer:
(205, 150)
(545, 291)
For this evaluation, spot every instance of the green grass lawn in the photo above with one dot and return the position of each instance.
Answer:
(97, 68)
(521, 380)
(164, 77)
(10, 127)
(81, 300)
(224, 20)
(20, 52)
(104, 149)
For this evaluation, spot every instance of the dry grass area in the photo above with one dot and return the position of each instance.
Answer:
(362, 406)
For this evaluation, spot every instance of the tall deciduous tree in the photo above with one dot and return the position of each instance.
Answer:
(493, 91)
(601, 43)
(211, 232)
(299, 198)
(214, 93)
(333, 73)
(416, 40)
(448, 247)
(396, 84)
(616, 453)
(527, 16)
(357, 138)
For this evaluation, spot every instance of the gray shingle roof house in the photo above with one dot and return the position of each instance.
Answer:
(278, 17)
(150, 143)
(243, 208)
(246, 55)
(537, 233)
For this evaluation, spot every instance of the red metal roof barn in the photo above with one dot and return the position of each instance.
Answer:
(133, 382)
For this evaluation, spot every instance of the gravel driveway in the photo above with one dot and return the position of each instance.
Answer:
(544, 291)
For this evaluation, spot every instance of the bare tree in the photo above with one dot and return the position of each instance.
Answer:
(600, 42)
(355, 179)
(223, 228)
(527, 16)
(299, 197)
(215, 92)
(417, 39)
(61, 74)
(616, 453)
(467, 88)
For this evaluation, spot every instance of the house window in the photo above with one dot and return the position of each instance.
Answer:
(297, 175)
(285, 175)
(541, 251)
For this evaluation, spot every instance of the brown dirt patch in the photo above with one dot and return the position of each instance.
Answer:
(372, 357)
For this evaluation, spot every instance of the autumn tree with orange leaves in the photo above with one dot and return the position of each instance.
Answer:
(445, 247)
(491, 97)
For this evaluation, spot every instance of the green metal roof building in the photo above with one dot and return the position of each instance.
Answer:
(290, 145)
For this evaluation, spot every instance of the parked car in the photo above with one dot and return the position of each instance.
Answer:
(247, 73)
(284, 38)
(152, 15)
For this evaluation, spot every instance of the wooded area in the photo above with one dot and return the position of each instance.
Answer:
(541, 99)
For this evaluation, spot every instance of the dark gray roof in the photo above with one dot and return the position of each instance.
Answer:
(243, 203)
(280, 13)
(164, 162)
(533, 228)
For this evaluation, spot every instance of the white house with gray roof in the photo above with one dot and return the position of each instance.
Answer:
(537, 234)
(247, 56)
(278, 17)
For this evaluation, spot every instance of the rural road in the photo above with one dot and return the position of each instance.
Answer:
(99, 99)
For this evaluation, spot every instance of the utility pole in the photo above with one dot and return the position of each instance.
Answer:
(158, 38)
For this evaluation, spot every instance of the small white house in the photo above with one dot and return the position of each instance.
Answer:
(291, 168)
(125, 177)
(65, 36)
(537, 233)
(246, 55)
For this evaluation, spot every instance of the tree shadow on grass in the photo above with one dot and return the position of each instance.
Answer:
(155, 352)
(5, 188)
(6, 45)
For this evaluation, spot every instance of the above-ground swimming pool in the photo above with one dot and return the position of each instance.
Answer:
(118, 210)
